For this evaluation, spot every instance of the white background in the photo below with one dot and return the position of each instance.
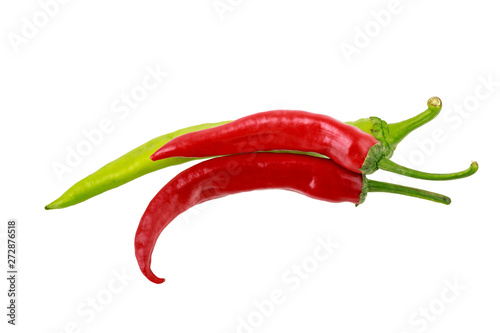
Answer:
(397, 256)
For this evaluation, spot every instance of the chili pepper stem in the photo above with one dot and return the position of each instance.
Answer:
(388, 165)
(398, 131)
(376, 186)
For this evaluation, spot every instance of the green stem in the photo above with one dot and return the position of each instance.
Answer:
(388, 165)
(398, 131)
(376, 186)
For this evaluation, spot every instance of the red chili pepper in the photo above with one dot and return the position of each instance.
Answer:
(281, 130)
(303, 131)
(315, 177)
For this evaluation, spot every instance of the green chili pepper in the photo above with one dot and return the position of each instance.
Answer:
(132, 165)
(137, 162)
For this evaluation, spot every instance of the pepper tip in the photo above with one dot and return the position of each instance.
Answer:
(153, 278)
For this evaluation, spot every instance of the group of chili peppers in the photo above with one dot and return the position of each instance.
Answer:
(312, 154)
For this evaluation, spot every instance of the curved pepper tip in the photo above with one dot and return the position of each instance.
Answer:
(148, 273)
(153, 278)
(144, 260)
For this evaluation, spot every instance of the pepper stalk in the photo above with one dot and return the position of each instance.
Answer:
(390, 135)
(370, 185)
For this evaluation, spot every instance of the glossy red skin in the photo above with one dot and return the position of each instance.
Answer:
(276, 130)
(315, 177)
